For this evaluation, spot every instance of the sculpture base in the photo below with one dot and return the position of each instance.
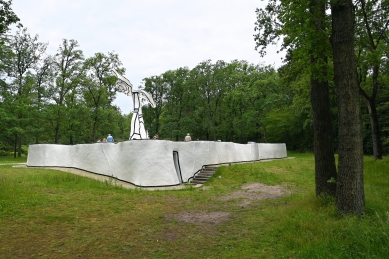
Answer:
(150, 163)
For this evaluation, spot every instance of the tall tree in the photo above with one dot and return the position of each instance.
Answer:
(210, 93)
(350, 188)
(174, 122)
(305, 32)
(158, 88)
(99, 85)
(372, 43)
(7, 16)
(68, 67)
(27, 51)
(43, 79)
(322, 122)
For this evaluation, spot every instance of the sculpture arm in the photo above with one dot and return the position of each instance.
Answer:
(124, 84)
(145, 95)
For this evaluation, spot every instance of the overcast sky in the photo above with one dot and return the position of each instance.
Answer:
(150, 36)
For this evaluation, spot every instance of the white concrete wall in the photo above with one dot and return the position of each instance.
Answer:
(149, 162)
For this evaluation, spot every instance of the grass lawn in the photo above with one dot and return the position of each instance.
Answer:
(253, 210)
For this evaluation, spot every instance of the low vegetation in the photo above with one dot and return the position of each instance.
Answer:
(52, 214)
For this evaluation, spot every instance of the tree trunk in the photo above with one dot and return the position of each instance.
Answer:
(57, 126)
(15, 144)
(325, 168)
(375, 131)
(371, 104)
(71, 141)
(264, 133)
(95, 129)
(373, 43)
(19, 146)
(349, 193)
(58, 122)
(56, 140)
(157, 125)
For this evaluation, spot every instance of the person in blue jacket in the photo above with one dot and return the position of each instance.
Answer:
(110, 138)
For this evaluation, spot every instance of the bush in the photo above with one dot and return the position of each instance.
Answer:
(24, 150)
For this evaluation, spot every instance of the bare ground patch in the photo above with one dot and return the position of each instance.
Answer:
(256, 191)
(202, 218)
(250, 192)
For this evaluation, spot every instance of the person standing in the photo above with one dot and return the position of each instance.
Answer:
(110, 138)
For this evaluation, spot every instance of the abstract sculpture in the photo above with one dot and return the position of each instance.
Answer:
(138, 130)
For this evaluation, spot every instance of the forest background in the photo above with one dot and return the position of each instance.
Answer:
(67, 98)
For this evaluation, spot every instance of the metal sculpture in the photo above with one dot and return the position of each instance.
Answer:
(138, 130)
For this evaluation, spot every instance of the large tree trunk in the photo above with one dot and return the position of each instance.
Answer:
(350, 193)
(325, 168)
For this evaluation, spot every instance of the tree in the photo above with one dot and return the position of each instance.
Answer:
(249, 91)
(349, 193)
(158, 88)
(7, 16)
(213, 101)
(99, 85)
(172, 119)
(322, 122)
(305, 33)
(68, 68)
(209, 89)
(27, 51)
(43, 78)
(371, 34)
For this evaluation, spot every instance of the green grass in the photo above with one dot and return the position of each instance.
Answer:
(12, 160)
(52, 214)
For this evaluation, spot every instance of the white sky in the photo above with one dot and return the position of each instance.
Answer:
(150, 36)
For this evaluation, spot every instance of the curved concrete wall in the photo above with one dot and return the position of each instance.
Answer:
(149, 162)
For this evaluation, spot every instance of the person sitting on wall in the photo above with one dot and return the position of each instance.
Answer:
(104, 140)
(187, 137)
(110, 138)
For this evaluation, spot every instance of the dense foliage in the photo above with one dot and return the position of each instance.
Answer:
(62, 98)
(234, 101)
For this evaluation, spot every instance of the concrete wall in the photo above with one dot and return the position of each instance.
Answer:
(149, 162)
